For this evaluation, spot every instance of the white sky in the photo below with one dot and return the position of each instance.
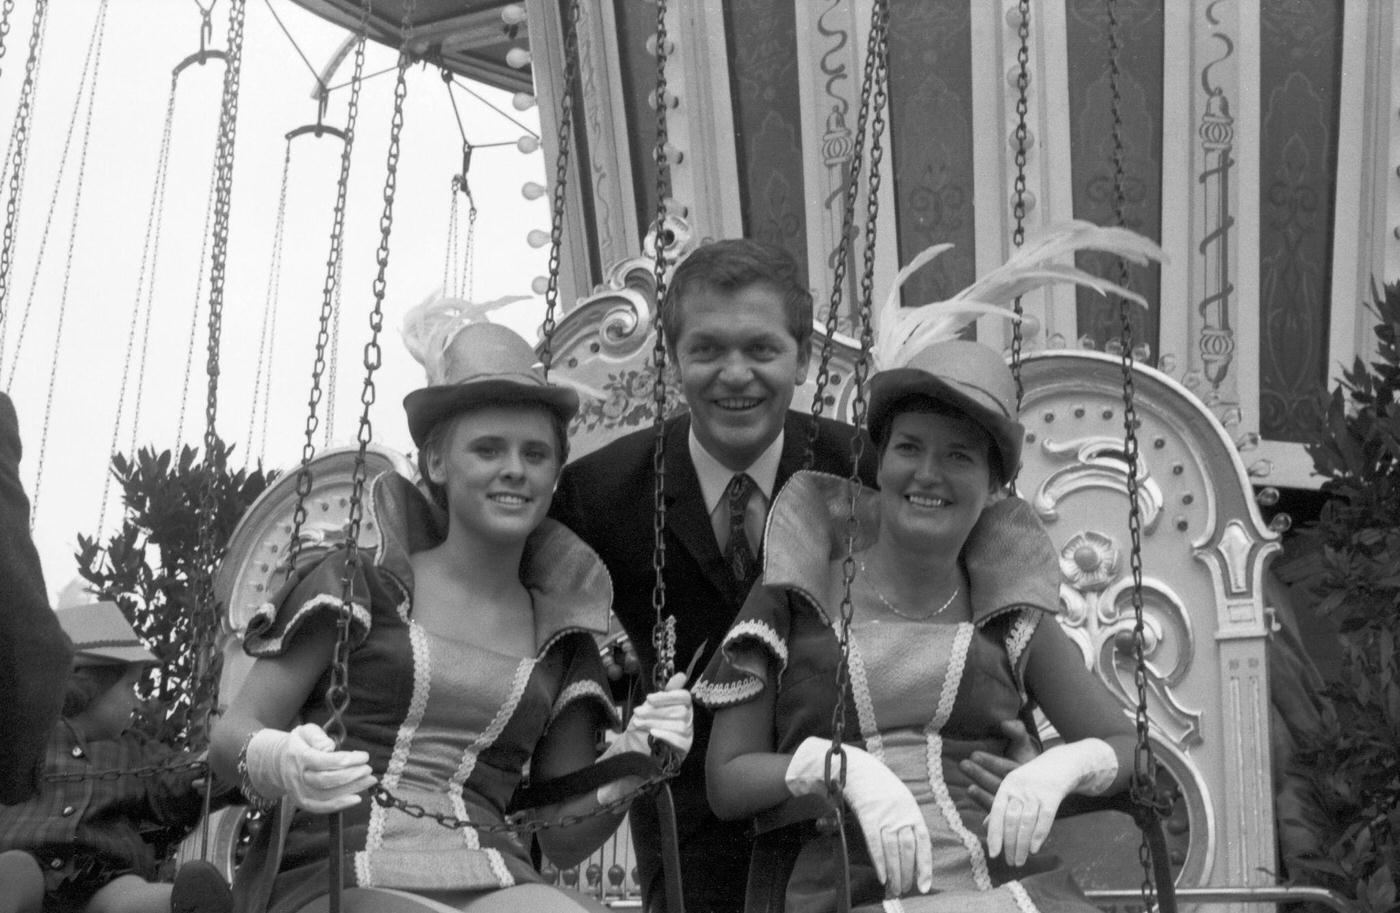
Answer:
(82, 368)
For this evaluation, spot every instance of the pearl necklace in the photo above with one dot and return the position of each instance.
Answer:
(895, 609)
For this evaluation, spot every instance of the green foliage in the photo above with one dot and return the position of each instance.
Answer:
(152, 569)
(1349, 563)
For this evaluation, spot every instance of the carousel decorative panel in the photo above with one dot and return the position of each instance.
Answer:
(1139, 60)
(1300, 75)
(636, 22)
(931, 142)
(767, 122)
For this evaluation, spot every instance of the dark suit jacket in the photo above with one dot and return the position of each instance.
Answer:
(34, 652)
(606, 498)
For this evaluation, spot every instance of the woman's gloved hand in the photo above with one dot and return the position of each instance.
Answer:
(667, 716)
(1025, 805)
(889, 816)
(305, 766)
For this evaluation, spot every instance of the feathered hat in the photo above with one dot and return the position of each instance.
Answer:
(917, 351)
(470, 361)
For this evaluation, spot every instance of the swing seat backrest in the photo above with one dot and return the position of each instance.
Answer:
(1204, 555)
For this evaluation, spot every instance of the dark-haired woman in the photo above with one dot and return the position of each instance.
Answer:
(953, 633)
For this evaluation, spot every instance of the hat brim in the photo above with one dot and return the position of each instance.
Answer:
(887, 388)
(113, 656)
(430, 405)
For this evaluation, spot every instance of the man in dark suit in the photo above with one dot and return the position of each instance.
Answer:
(34, 652)
(737, 320)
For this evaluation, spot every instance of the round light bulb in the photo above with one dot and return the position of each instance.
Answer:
(539, 285)
(517, 58)
(530, 190)
(528, 144)
(537, 238)
(522, 101)
(512, 14)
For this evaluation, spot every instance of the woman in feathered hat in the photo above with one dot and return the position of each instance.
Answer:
(472, 652)
(948, 641)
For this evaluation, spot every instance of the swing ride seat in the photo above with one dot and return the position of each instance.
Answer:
(254, 567)
(780, 832)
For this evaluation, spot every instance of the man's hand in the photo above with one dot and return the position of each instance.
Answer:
(987, 770)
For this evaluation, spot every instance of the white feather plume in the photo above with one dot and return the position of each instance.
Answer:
(430, 326)
(902, 332)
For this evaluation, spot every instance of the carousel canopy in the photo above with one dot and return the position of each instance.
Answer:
(468, 37)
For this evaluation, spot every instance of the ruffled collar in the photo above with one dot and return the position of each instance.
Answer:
(1009, 560)
(569, 586)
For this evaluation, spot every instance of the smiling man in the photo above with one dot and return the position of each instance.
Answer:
(738, 323)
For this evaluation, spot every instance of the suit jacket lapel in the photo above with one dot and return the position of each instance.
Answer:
(686, 516)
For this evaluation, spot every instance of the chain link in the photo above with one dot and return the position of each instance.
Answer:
(205, 620)
(328, 297)
(5, 11)
(270, 302)
(197, 303)
(338, 691)
(843, 246)
(172, 766)
(663, 631)
(1018, 205)
(561, 182)
(877, 72)
(20, 146)
(1144, 781)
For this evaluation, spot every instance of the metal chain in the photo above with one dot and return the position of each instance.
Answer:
(328, 298)
(469, 259)
(5, 11)
(270, 300)
(1144, 781)
(95, 56)
(877, 66)
(561, 180)
(338, 692)
(145, 295)
(449, 262)
(197, 303)
(140, 773)
(333, 361)
(20, 143)
(843, 247)
(663, 631)
(204, 622)
(1018, 205)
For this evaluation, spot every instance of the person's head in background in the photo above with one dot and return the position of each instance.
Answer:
(108, 660)
(738, 321)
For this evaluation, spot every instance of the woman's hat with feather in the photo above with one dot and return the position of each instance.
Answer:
(472, 362)
(917, 352)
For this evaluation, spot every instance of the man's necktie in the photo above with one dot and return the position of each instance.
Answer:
(737, 551)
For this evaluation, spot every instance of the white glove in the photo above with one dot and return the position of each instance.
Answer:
(1025, 805)
(304, 766)
(666, 715)
(889, 816)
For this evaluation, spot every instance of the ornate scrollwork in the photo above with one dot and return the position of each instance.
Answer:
(1095, 462)
(1098, 616)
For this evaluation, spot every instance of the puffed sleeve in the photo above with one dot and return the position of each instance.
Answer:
(752, 655)
(317, 592)
(583, 679)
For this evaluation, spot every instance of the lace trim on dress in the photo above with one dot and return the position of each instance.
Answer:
(498, 866)
(865, 705)
(266, 616)
(716, 694)
(1017, 639)
(957, 662)
(398, 759)
(1022, 897)
(581, 690)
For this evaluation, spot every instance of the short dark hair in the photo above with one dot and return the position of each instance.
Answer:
(437, 440)
(734, 264)
(87, 683)
(924, 404)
